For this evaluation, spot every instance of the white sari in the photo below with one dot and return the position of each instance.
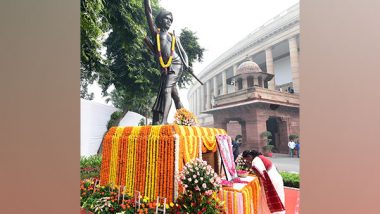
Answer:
(277, 182)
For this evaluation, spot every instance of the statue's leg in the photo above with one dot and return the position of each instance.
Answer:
(156, 118)
(167, 104)
(175, 96)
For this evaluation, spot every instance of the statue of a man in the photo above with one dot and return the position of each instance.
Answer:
(172, 59)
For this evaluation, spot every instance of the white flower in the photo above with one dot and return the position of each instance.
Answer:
(189, 179)
(218, 180)
(204, 186)
(196, 181)
(209, 192)
(194, 176)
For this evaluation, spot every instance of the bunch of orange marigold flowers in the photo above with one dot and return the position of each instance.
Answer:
(184, 117)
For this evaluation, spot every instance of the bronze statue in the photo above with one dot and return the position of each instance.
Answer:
(172, 59)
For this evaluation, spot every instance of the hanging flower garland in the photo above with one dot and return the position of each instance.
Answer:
(123, 155)
(106, 155)
(114, 154)
(159, 50)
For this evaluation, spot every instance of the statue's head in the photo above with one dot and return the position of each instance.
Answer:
(164, 19)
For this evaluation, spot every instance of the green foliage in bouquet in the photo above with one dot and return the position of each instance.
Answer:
(241, 164)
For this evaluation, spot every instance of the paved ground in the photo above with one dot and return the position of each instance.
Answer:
(285, 163)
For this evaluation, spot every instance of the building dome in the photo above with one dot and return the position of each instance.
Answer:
(248, 67)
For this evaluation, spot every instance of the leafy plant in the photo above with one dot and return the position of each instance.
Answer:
(142, 122)
(115, 119)
(90, 166)
(293, 136)
(266, 136)
(291, 179)
(268, 148)
(106, 199)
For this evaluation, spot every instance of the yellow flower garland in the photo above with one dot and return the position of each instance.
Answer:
(120, 167)
(114, 154)
(159, 50)
(236, 202)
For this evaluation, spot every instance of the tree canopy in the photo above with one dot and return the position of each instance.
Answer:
(128, 64)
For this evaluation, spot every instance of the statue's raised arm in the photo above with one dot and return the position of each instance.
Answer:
(149, 17)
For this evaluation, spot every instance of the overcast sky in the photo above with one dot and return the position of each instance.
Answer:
(219, 25)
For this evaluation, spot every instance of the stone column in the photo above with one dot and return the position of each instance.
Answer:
(202, 99)
(215, 86)
(208, 94)
(197, 101)
(234, 68)
(252, 136)
(224, 82)
(293, 50)
(263, 83)
(218, 121)
(192, 102)
(270, 68)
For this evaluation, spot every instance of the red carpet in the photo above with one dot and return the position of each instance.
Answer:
(292, 201)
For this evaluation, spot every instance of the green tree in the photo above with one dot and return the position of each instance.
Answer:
(134, 72)
(92, 27)
(194, 51)
(129, 65)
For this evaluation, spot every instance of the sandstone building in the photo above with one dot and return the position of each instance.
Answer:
(254, 86)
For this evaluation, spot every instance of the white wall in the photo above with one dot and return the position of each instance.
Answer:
(93, 123)
(282, 71)
(131, 119)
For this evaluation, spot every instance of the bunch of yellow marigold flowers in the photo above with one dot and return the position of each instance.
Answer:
(184, 117)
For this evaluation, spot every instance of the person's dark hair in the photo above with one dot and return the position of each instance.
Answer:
(238, 137)
(161, 15)
(252, 153)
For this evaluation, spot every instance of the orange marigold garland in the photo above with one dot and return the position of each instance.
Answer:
(106, 155)
(114, 154)
(123, 156)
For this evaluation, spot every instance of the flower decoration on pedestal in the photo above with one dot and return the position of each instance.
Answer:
(200, 185)
(242, 167)
(111, 199)
(184, 117)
